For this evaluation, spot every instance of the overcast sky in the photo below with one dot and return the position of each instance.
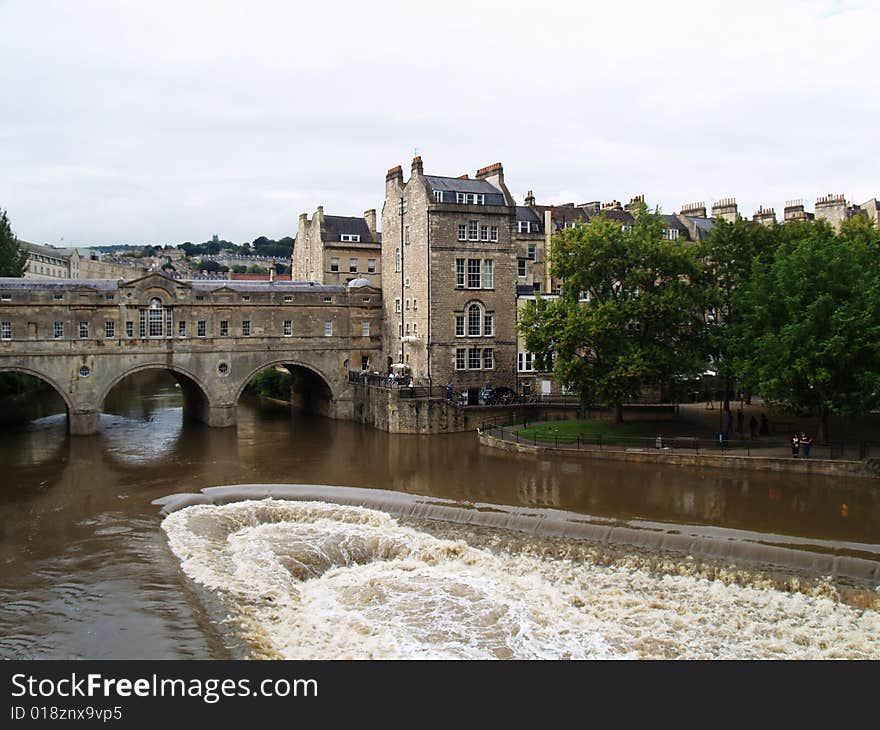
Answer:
(162, 122)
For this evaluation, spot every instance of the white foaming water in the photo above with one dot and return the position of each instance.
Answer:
(318, 580)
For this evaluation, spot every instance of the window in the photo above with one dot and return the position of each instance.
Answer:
(415, 328)
(246, 328)
(474, 279)
(407, 305)
(365, 362)
(488, 325)
(670, 234)
(354, 237)
(473, 230)
(488, 274)
(109, 329)
(200, 297)
(488, 358)
(201, 328)
(474, 358)
(470, 198)
(129, 329)
(365, 329)
(460, 358)
(246, 298)
(83, 330)
(407, 327)
(328, 328)
(524, 226)
(334, 264)
(108, 297)
(371, 266)
(415, 304)
(462, 232)
(327, 300)
(288, 299)
(484, 233)
(521, 267)
(459, 272)
(288, 328)
(181, 328)
(224, 328)
(397, 305)
(397, 260)
(406, 235)
(58, 330)
(460, 198)
(156, 317)
(438, 196)
(536, 285)
(493, 234)
(5, 298)
(84, 371)
(406, 282)
(533, 250)
(223, 368)
(57, 297)
(474, 319)
(401, 206)
(459, 325)
(525, 362)
(6, 331)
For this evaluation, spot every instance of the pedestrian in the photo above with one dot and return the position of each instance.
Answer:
(753, 426)
(765, 425)
(449, 391)
(806, 444)
(740, 417)
(795, 445)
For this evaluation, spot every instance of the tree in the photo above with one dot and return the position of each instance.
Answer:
(808, 337)
(728, 256)
(629, 314)
(13, 258)
(211, 266)
(256, 269)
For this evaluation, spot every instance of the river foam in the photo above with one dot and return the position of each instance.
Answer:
(319, 580)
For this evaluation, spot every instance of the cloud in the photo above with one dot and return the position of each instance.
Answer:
(164, 122)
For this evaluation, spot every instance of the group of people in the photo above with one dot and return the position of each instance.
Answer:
(801, 442)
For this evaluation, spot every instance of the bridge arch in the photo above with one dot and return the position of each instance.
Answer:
(196, 399)
(68, 403)
(314, 390)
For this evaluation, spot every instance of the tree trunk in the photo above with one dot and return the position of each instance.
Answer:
(618, 413)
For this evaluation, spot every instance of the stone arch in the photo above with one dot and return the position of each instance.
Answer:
(310, 397)
(196, 397)
(68, 403)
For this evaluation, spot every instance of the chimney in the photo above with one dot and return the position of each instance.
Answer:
(530, 198)
(370, 218)
(634, 203)
(417, 168)
(491, 171)
(695, 210)
(725, 209)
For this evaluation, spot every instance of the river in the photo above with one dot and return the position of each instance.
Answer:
(86, 569)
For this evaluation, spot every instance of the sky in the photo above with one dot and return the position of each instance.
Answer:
(162, 122)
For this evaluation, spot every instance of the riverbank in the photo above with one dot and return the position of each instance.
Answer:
(508, 439)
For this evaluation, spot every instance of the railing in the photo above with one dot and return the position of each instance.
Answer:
(503, 429)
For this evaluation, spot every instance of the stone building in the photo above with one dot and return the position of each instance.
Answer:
(449, 275)
(74, 263)
(334, 249)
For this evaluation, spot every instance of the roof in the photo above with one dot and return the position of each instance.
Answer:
(337, 225)
(704, 225)
(624, 216)
(58, 253)
(459, 185)
(11, 283)
(58, 284)
(672, 221)
(562, 214)
(233, 276)
(524, 213)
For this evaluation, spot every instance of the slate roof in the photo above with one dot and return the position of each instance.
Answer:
(8, 283)
(704, 225)
(524, 213)
(459, 185)
(336, 225)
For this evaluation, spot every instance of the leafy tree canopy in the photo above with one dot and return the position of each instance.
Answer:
(628, 316)
(13, 258)
(808, 335)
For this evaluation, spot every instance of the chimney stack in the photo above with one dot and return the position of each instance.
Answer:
(370, 218)
(417, 168)
(530, 199)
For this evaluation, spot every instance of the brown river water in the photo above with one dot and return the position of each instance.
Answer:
(87, 568)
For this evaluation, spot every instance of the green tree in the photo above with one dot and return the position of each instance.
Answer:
(728, 256)
(13, 258)
(257, 269)
(629, 314)
(808, 337)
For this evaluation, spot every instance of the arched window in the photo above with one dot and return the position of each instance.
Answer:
(474, 320)
(156, 318)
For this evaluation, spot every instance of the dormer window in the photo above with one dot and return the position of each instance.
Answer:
(470, 198)
(353, 237)
(438, 196)
(524, 227)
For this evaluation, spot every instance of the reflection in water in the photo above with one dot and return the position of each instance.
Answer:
(85, 570)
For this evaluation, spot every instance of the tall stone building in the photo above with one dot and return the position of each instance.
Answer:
(335, 249)
(449, 275)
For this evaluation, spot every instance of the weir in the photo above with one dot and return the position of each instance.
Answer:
(810, 556)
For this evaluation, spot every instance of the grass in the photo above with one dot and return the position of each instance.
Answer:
(626, 433)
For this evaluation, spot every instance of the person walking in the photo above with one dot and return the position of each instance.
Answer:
(449, 391)
(795, 445)
(753, 426)
(806, 443)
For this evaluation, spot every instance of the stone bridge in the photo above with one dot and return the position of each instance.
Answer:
(84, 336)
